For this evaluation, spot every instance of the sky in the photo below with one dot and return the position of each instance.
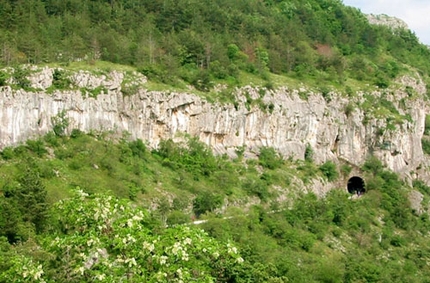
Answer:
(416, 13)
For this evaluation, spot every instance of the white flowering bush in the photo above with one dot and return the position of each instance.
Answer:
(99, 238)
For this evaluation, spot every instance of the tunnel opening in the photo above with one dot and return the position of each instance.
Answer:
(356, 185)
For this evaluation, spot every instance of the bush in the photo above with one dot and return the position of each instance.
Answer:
(329, 170)
(3, 78)
(60, 123)
(8, 153)
(76, 133)
(20, 78)
(309, 153)
(269, 158)
(345, 170)
(425, 145)
(37, 147)
(372, 165)
(138, 148)
(256, 187)
(60, 79)
(177, 217)
(206, 202)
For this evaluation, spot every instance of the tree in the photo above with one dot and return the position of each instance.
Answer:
(102, 238)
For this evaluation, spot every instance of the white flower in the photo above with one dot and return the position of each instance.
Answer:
(130, 238)
(38, 273)
(131, 262)
(232, 250)
(239, 260)
(130, 223)
(176, 248)
(137, 217)
(163, 259)
(101, 276)
(148, 246)
(215, 254)
(25, 274)
(187, 241)
(179, 272)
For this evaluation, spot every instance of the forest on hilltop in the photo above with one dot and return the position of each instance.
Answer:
(199, 41)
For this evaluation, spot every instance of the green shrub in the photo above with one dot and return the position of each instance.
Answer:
(425, 145)
(20, 77)
(138, 148)
(372, 165)
(421, 186)
(3, 78)
(329, 170)
(60, 79)
(345, 170)
(427, 125)
(177, 217)
(206, 202)
(76, 133)
(60, 122)
(309, 153)
(37, 147)
(349, 108)
(269, 158)
(256, 187)
(7, 153)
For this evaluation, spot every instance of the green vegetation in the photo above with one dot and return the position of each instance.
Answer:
(100, 238)
(425, 141)
(83, 196)
(85, 207)
(204, 42)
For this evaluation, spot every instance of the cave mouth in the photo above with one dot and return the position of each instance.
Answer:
(356, 185)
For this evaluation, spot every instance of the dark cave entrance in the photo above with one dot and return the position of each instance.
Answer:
(356, 185)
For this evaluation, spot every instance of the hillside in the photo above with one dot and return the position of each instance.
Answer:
(295, 132)
(204, 41)
(264, 223)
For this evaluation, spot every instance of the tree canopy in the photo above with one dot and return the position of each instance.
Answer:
(193, 39)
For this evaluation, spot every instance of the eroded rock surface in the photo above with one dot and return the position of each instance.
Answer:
(334, 126)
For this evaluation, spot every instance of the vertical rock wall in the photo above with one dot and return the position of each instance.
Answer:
(282, 119)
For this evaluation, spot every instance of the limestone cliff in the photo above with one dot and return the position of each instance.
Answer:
(385, 20)
(335, 126)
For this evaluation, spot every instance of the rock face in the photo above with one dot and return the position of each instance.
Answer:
(386, 20)
(334, 126)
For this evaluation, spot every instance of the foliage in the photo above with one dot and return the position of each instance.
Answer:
(309, 152)
(329, 170)
(60, 123)
(61, 234)
(24, 206)
(206, 202)
(110, 241)
(20, 76)
(269, 158)
(200, 42)
(427, 125)
(425, 145)
(60, 79)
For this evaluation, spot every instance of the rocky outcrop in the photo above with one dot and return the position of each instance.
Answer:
(385, 20)
(334, 126)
